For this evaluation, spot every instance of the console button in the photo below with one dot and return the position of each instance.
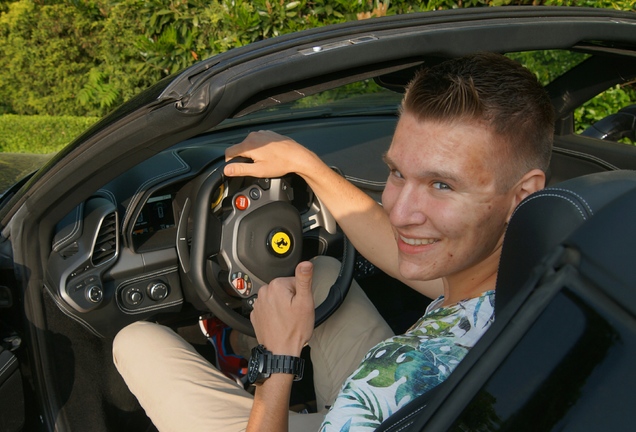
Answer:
(133, 296)
(94, 293)
(157, 291)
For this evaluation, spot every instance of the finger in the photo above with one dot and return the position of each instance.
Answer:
(235, 150)
(238, 169)
(304, 275)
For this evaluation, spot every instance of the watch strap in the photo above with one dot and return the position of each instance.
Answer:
(263, 363)
(285, 364)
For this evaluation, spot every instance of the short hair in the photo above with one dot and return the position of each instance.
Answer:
(490, 88)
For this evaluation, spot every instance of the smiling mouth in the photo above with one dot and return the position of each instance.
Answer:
(418, 242)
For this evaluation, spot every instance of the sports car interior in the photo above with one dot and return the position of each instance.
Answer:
(142, 224)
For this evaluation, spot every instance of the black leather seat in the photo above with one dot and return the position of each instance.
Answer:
(548, 217)
(541, 223)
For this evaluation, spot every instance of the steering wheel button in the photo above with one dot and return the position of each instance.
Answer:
(265, 183)
(241, 202)
(255, 193)
(241, 283)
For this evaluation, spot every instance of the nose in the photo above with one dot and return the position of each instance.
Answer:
(404, 205)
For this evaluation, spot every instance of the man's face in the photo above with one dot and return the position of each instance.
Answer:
(441, 196)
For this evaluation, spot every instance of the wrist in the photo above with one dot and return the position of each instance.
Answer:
(308, 164)
(286, 348)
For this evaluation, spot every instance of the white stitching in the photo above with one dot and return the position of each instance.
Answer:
(549, 195)
(407, 418)
(76, 227)
(139, 192)
(146, 276)
(6, 366)
(122, 285)
(149, 308)
(70, 314)
(576, 195)
(365, 181)
(109, 195)
(587, 157)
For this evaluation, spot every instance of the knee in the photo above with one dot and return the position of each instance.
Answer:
(128, 341)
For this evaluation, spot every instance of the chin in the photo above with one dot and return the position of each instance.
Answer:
(417, 272)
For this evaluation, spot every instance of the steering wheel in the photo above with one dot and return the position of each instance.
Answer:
(257, 238)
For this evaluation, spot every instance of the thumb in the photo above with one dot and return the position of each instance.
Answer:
(304, 274)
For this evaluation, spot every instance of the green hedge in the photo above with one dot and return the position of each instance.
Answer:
(39, 134)
(85, 57)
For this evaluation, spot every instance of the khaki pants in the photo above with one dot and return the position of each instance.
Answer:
(181, 391)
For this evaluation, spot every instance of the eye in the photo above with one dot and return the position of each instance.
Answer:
(395, 173)
(441, 186)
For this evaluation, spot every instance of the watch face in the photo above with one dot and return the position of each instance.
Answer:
(255, 364)
(252, 367)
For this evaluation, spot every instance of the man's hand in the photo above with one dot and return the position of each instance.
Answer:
(274, 155)
(283, 319)
(283, 315)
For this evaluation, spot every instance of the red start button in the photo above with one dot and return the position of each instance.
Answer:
(241, 202)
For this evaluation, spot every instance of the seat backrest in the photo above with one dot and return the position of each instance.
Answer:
(540, 223)
(546, 218)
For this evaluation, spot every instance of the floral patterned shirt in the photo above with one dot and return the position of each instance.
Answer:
(403, 367)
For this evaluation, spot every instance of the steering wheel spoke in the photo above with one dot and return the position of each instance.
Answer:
(318, 216)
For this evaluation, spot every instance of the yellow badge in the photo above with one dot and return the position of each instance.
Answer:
(280, 243)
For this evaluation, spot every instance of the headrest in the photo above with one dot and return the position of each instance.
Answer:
(546, 218)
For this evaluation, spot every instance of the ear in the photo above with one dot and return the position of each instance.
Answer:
(531, 182)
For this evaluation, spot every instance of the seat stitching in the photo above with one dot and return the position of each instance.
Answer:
(576, 195)
(406, 417)
(554, 196)
(6, 366)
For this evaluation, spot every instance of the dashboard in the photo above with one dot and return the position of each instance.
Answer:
(115, 258)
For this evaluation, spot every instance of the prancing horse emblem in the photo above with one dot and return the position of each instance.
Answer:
(280, 243)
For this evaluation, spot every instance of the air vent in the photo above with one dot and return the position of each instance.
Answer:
(106, 243)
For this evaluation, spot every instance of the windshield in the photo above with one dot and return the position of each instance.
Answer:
(359, 98)
(16, 166)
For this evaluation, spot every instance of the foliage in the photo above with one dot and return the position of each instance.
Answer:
(39, 134)
(85, 57)
(548, 65)
(46, 52)
(603, 105)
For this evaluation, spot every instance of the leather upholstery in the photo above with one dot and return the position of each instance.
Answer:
(546, 218)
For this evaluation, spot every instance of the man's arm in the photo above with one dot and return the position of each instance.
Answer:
(270, 411)
(283, 319)
(361, 218)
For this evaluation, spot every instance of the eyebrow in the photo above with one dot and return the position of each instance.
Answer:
(437, 174)
(387, 160)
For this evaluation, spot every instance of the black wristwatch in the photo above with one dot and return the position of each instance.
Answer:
(263, 363)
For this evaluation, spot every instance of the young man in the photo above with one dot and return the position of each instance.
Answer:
(474, 138)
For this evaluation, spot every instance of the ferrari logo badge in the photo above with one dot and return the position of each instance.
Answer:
(280, 243)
